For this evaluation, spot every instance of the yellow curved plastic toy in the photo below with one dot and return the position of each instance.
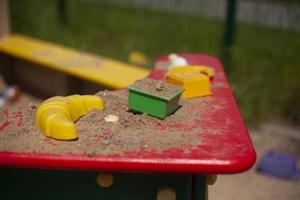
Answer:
(194, 68)
(56, 116)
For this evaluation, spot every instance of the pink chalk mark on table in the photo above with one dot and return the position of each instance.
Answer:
(16, 116)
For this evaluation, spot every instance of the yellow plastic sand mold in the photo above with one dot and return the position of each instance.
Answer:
(56, 116)
(195, 84)
(194, 68)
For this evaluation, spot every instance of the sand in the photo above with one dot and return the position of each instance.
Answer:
(156, 87)
(131, 133)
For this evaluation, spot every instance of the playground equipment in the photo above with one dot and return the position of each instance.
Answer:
(58, 63)
(171, 174)
(149, 175)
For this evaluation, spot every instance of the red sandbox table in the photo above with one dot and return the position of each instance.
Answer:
(229, 151)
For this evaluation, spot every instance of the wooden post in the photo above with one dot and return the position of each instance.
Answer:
(4, 31)
(230, 23)
(4, 18)
(62, 7)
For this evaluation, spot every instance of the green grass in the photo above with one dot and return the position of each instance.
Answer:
(116, 31)
(263, 67)
(265, 72)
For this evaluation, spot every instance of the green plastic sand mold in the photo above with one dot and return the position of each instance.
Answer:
(158, 106)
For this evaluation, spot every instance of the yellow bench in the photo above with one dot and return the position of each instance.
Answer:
(103, 71)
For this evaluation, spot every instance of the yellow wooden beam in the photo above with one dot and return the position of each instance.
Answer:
(104, 71)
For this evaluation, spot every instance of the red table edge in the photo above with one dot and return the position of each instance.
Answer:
(52, 161)
(29, 160)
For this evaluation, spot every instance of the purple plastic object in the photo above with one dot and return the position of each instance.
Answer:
(279, 165)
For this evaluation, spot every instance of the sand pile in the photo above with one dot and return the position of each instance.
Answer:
(132, 132)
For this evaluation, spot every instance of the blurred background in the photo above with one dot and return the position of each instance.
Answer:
(258, 42)
(259, 51)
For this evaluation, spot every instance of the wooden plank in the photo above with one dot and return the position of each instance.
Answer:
(4, 18)
(36, 80)
(104, 71)
(4, 30)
